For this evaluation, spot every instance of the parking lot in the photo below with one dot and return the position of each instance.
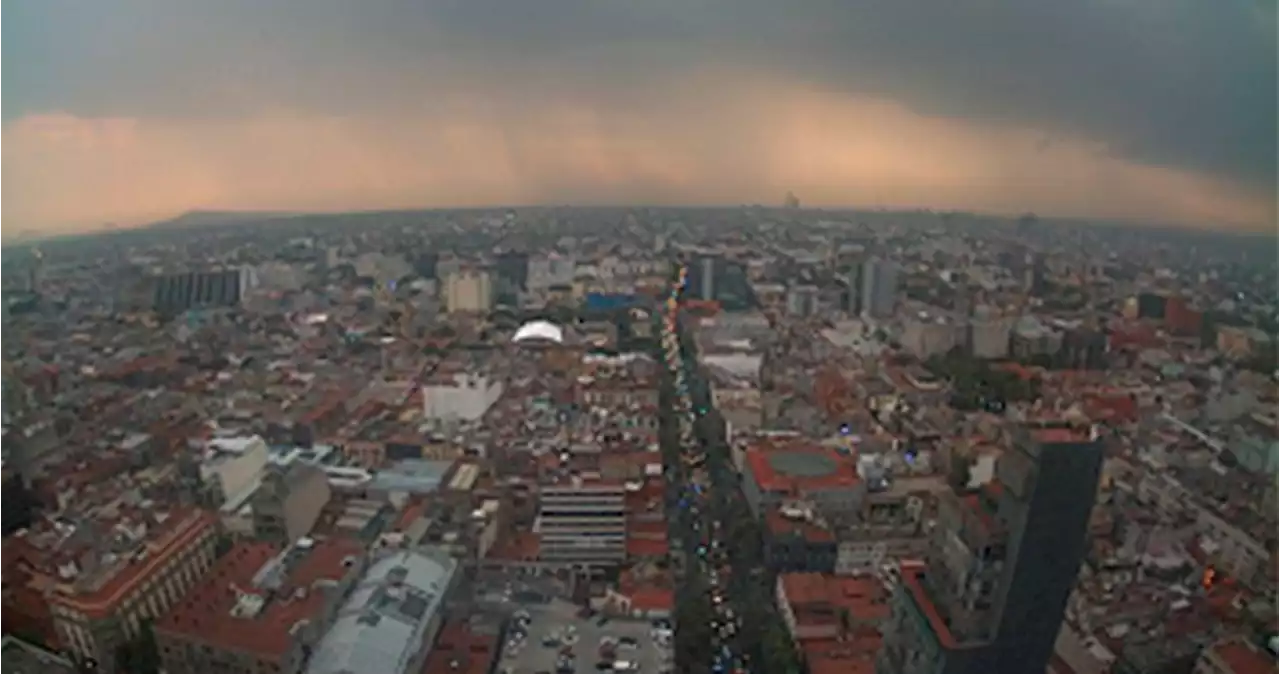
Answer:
(556, 626)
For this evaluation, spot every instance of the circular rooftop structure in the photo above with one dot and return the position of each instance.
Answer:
(803, 464)
(539, 331)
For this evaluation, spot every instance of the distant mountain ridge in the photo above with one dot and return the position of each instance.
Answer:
(201, 219)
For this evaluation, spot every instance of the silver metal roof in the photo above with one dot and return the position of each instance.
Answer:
(383, 624)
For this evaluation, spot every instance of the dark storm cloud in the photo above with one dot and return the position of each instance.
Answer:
(1183, 83)
(1189, 84)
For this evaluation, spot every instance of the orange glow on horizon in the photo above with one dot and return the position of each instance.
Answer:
(750, 146)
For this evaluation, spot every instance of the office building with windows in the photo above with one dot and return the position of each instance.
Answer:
(583, 522)
(879, 288)
(1002, 562)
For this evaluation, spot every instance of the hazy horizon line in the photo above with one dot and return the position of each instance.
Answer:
(287, 214)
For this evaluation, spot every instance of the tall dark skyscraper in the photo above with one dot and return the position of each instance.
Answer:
(1151, 305)
(879, 288)
(851, 289)
(702, 279)
(1050, 484)
(1034, 274)
(990, 597)
(512, 269)
(190, 290)
(707, 282)
(720, 279)
(511, 276)
(424, 264)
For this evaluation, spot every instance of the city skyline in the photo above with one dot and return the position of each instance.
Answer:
(137, 113)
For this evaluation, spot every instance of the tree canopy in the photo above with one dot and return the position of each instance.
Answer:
(975, 384)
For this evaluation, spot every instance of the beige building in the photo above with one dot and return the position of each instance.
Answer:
(232, 466)
(1239, 343)
(925, 336)
(286, 506)
(96, 610)
(468, 291)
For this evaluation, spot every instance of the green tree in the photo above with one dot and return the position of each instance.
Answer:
(779, 651)
(958, 474)
(223, 545)
(693, 627)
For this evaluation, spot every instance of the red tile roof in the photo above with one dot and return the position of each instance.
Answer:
(646, 529)
(780, 525)
(204, 615)
(458, 650)
(1054, 436)
(825, 664)
(180, 531)
(851, 654)
(1059, 666)
(524, 546)
(1241, 659)
(647, 547)
(1116, 408)
(653, 599)
(412, 512)
(817, 594)
(770, 479)
(978, 505)
(924, 602)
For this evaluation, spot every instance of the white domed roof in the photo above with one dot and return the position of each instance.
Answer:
(539, 330)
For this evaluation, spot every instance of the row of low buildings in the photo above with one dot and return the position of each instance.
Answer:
(267, 597)
(369, 416)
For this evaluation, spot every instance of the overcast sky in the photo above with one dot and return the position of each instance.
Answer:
(131, 110)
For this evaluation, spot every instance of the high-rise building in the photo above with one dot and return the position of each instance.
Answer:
(382, 268)
(802, 300)
(512, 270)
(926, 336)
(1151, 305)
(289, 501)
(850, 284)
(191, 290)
(1181, 319)
(1048, 489)
(716, 278)
(583, 522)
(1083, 348)
(19, 502)
(424, 264)
(879, 288)
(510, 277)
(550, 271)
(1002, 563)
(705, 277)
(989, 334)
(35, 273)
(1034, 274)
(733, 287)
(468, 291)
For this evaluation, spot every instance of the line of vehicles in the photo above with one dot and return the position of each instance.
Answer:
(710, 557)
